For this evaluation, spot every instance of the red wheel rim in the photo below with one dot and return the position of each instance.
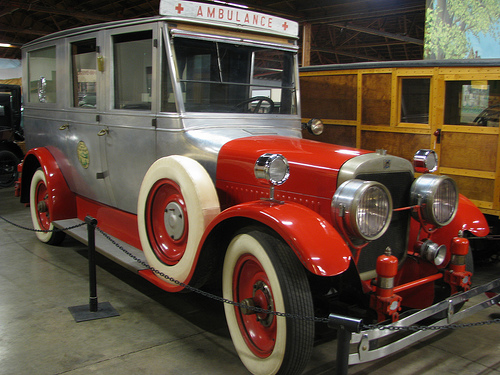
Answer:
(41, 195)
(251, 282)
(167, 248)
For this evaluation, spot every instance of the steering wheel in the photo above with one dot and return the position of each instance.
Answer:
(256, 109)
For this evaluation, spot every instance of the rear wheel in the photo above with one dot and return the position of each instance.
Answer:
(40, 213)
(261, 270)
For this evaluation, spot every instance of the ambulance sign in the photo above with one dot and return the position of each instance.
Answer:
(228, 15)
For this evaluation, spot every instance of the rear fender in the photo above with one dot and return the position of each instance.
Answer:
(319, 247)
(62, 201)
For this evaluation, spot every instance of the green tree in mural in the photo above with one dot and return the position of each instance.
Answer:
(449, 21)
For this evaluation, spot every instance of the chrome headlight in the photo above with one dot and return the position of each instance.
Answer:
(425, 161)
(273, 168)
(363, 207)
(315, 126)
(437, 197)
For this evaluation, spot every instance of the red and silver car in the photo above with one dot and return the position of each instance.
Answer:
(181, 135)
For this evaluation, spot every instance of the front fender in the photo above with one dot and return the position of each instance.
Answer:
(319, 247)
(468, 218)
(62, 201)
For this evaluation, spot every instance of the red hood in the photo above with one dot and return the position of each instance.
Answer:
(314, 166)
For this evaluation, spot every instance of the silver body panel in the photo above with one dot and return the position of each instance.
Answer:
(122, 144)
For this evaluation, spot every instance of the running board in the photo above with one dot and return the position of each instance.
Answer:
(104, 246)
(370, 345)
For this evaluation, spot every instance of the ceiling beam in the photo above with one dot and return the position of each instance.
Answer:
(349, 54)
(360, 13)
(50, 10)
(383, 34)
(15, 30)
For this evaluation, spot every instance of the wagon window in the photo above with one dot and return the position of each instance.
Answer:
(42, 75)
(84, 71)
(132, 63)
(415, 93)
(473, 103)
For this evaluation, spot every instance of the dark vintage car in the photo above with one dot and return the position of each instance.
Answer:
(11, 133)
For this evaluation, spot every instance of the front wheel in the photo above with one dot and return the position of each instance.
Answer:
(261, 270)
(40, 213)
(8, 168)
(176, 202)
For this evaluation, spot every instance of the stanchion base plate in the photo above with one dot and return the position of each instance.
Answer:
(82, 313)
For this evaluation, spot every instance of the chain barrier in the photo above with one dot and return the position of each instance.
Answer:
(256, 309)
(42, 230)
(207, 294)
(288, 315)
(416, 328)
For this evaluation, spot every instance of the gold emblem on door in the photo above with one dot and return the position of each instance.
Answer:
(83, 154)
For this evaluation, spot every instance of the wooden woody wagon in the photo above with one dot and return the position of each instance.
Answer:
(451, 107)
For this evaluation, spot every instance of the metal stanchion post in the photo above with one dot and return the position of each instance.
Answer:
(93, 310)
(91, 224)
(345, 326)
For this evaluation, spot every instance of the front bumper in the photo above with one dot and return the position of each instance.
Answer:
(381, 340)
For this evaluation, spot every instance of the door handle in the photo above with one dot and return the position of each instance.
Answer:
(103, 132)
(438, 135)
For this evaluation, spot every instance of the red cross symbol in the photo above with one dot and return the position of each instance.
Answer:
(284, 26)
(179, 8)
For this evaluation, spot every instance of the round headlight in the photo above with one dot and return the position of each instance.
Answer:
(315, 126)
(437, 197)
(273, 168)
(364, 207)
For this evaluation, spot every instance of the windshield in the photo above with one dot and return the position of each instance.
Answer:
(232, 78)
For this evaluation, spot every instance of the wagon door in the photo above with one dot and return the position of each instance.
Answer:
(127, 130)
(470, 135)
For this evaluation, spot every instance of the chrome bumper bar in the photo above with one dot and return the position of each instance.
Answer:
(369, 349)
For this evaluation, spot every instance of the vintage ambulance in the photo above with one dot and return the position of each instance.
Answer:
(181, 135)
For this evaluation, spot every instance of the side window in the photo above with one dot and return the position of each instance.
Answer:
(415, 95)
(132, 63)
(475, 103)
(84, 71)
(42, 75)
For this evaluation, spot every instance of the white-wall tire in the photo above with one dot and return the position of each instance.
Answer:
(263, 268)
(170, 242)
(39, 209)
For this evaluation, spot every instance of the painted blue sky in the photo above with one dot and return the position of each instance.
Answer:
(486, 46)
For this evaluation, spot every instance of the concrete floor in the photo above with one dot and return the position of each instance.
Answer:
(161, 333)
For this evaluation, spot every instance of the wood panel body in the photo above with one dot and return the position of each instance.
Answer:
(467, 150)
